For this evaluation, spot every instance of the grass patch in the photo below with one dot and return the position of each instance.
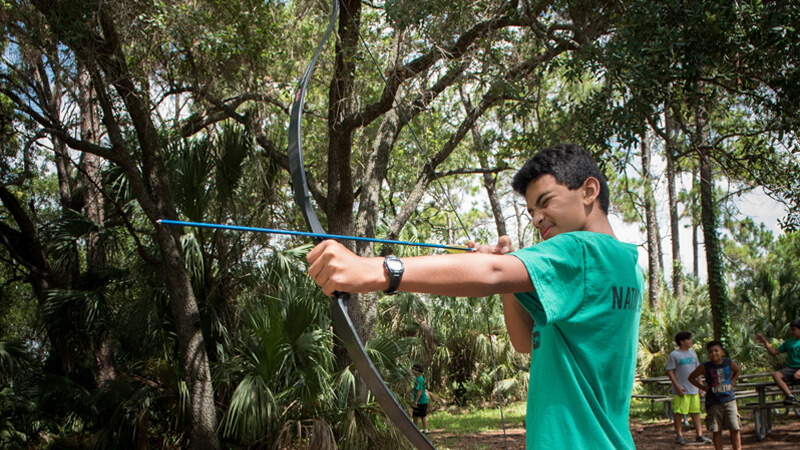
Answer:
(643, 411)
(453, 426)
(478, 419)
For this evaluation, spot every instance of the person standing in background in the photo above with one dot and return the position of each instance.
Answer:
(420, 398)
(685, 396)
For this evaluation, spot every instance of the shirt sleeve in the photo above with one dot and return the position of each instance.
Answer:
(783, 348)
(672, 361)
(557, 270)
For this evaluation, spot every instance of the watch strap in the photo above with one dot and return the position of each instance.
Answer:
(395, 274)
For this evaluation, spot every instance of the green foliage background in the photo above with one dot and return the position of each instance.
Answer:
(219, 77)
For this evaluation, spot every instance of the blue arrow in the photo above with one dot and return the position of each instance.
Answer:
(306, 233)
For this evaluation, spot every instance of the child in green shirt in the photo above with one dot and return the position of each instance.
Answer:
(420, 398)
(572, 301)
(790, 373)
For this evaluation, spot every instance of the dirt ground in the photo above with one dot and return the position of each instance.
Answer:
(659, 435)
(785, 435)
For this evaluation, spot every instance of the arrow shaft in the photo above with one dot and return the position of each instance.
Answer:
(306, 233)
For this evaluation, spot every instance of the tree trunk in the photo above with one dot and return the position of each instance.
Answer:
(651, 222)
(27, 249)
(90, 167)
(695, 225)
(519, 217)
(489, 179)
(98, 48)
(717, 292)
(674, 218)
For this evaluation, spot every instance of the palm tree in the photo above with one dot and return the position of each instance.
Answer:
(284, 386)
(658, 326)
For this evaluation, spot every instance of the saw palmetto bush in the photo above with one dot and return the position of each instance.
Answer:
(658, 326)
(768, 298)
(286, 390)
(467, 360)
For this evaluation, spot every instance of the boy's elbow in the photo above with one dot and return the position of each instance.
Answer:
(521, 348)
(520, 344)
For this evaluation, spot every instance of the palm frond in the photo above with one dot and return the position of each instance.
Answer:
(14, 360)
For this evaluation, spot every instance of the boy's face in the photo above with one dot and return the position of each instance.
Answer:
(795, 332)
(686, 343)
(555, 209)
(715, 354)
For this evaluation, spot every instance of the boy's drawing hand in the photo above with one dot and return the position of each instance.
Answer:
(502, 247)
(760, 337)
(336, 269)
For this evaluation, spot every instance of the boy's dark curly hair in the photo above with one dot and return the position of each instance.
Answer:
(569, 164)
(682, 336)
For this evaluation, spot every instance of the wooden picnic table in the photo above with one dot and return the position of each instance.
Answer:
(744, 389)
(762, 409)
(664, 398)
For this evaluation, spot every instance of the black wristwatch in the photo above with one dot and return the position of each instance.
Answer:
(394, 267)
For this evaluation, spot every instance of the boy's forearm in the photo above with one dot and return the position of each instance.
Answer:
(335, 268)
(697, 384)
(671, 375)
(770, 349)
(695, 375)
(465, 275)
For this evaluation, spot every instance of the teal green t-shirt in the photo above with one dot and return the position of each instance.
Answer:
(420, 386)
(586, 308)
(792, 349)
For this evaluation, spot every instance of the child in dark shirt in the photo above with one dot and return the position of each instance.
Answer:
(720, 375)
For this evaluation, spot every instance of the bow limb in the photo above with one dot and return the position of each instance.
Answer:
(339, 302)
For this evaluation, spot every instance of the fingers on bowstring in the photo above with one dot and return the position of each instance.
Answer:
(504, 245)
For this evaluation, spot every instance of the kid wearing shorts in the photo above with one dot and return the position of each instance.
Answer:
(685, 396)
(790, 373)
(420, 398)
(720, 374)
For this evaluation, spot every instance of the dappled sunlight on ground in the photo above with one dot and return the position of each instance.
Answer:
(444, 440)
(648, 436)
(660, 435)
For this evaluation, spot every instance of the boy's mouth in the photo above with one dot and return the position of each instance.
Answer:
(546, 231)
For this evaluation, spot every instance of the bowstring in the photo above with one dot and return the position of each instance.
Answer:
(438, 180)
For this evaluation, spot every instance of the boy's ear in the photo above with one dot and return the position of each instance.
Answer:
(591, 190)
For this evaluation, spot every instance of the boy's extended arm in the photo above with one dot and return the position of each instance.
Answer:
(335, 268)
(696, 373)
(772, 350)
(519, 323)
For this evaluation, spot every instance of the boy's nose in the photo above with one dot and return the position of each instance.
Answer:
(537, 218)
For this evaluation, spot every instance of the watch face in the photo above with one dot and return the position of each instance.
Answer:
(394, 264)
